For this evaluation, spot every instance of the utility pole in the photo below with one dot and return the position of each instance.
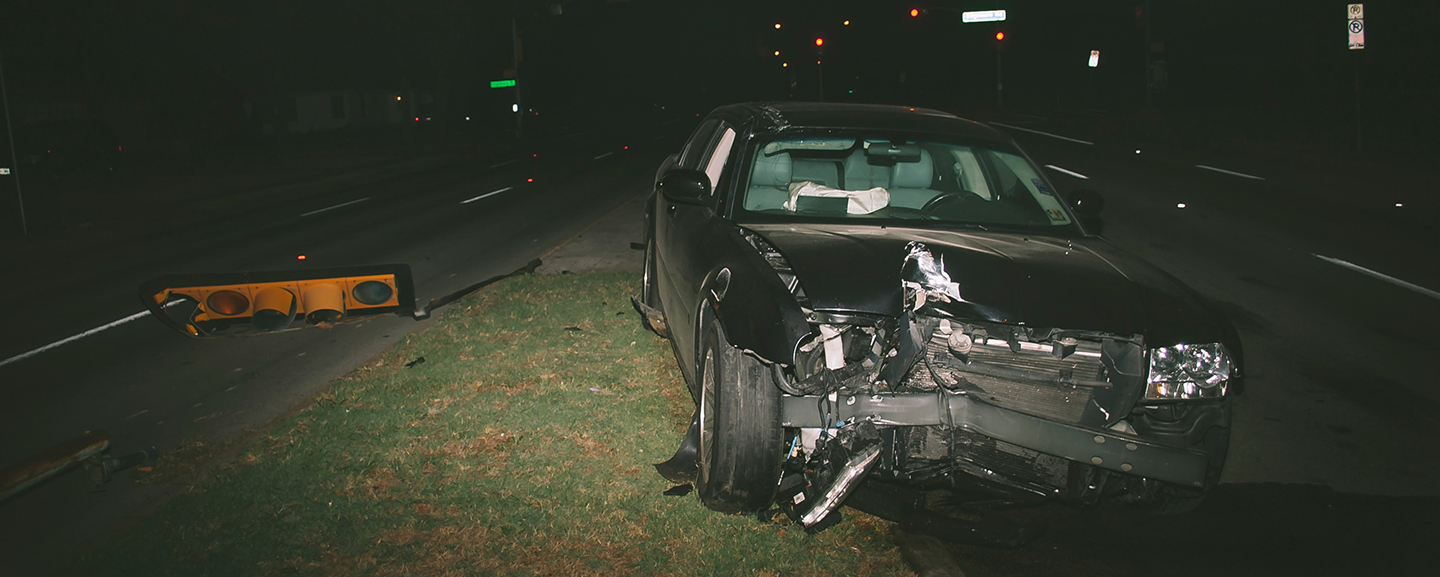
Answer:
(1149, 70)
(15, 166)
(1356, 24)
(820, 65)
(999, 78)
(515, 62)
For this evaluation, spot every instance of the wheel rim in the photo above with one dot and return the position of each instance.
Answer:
(707, 418)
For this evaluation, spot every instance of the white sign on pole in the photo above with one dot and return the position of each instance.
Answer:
(1357, 26)
(4, 171)
(983, 16)
(1094, 58)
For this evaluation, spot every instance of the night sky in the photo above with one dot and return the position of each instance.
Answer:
(162, 70)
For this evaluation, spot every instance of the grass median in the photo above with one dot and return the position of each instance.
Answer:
(521, 446)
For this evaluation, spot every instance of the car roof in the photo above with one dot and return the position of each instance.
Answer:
(778, 116)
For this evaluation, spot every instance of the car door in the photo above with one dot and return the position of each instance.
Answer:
(677, 229)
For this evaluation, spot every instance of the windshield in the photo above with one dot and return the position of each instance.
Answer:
(866, 179)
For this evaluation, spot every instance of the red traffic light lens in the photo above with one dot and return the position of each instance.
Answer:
(819, 41)
(914, 12)
(227, 302)
(999, 35)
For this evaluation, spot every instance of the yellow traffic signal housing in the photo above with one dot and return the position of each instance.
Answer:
(236, 303)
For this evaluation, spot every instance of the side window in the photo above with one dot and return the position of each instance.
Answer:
(715, 166)
(696, 145)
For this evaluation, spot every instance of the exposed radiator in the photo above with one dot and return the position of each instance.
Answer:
(1051, 400)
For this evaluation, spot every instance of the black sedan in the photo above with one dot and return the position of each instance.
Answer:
(865, 293)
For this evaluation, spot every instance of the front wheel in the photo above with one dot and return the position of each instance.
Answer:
(649, 294)
(741, 438)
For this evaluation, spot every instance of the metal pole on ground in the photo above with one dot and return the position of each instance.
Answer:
(14, 165)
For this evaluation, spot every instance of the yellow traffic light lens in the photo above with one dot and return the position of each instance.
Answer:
(324, 303)
(274, 309)
(227, 302)
(372, 292)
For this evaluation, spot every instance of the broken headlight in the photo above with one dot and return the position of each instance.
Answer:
(1183, 372)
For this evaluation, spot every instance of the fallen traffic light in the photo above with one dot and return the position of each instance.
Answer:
(223, 304)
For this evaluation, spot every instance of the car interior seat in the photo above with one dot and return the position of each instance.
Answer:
(769, 182)
(860, 174)
(910, 184)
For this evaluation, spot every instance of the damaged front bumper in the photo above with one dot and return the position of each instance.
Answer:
(1107, 449)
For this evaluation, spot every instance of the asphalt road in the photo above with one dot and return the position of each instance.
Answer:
(149, 386)
(1331, 467)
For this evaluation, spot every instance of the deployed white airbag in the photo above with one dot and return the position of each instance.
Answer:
(860, 201)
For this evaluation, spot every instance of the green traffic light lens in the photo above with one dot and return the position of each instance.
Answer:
(372, 292)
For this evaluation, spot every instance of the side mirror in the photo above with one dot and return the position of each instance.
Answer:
(684, 186)
(225, 304)
(1087, 204)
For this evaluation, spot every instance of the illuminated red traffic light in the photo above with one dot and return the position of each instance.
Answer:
(999, 36)
(819, 41)
(914, 12)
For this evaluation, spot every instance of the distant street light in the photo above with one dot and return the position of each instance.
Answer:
(847, 22)
(777, 25)
(777, 52)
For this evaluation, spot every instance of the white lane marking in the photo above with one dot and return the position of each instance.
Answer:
(343, 204)
(1085, 142)
(142, 411)
(1069, 172)
(487, 194)
(1229, 172)
(65, 341)
(506, 163)
(604, 155)
(1387, 278)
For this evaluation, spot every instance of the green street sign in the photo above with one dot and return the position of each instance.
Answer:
(502, 83)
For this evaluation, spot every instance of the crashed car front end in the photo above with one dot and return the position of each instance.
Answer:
(946, 394)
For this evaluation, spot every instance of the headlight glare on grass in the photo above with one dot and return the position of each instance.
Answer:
(1182, 372)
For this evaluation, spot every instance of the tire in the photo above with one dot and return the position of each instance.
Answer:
(741, 438)
(649, 294)
(1175, 500)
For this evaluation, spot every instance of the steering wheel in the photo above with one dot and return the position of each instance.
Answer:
(945, 198)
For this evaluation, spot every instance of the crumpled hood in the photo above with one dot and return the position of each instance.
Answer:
(1079, 284)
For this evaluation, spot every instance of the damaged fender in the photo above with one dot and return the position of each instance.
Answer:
(758, 313)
